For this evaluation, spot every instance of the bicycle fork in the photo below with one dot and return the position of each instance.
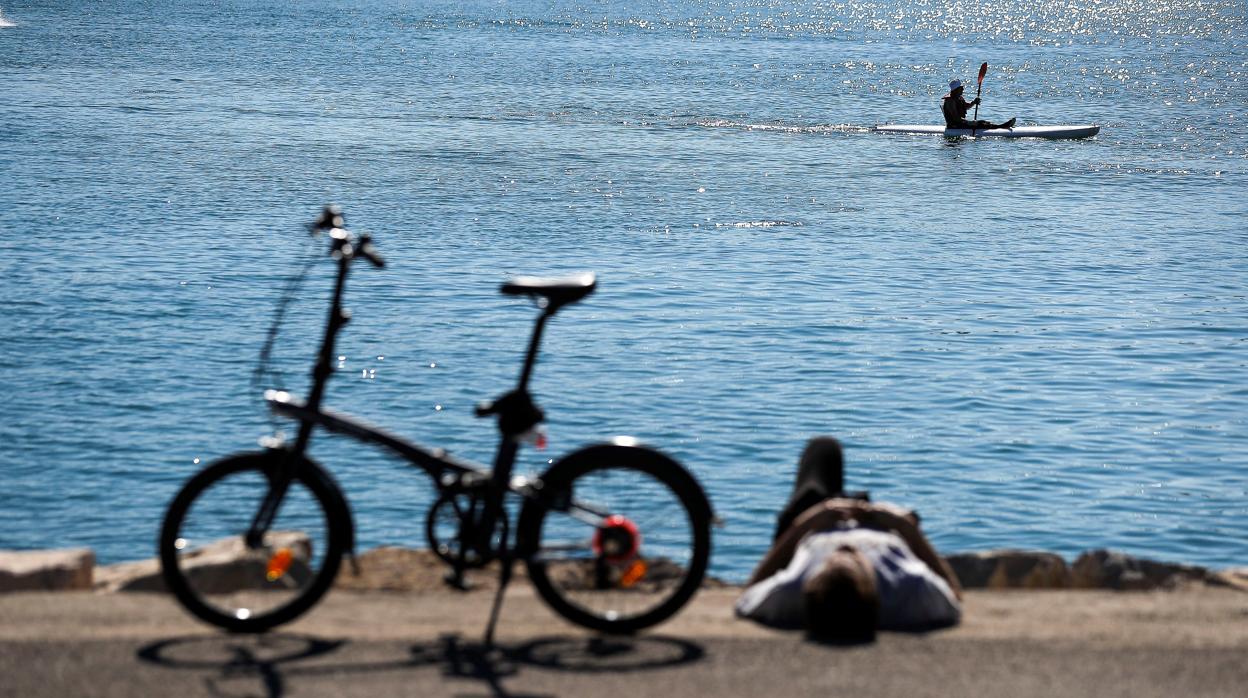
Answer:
(279, 483)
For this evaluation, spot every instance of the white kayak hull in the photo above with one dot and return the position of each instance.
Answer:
(1079, 131)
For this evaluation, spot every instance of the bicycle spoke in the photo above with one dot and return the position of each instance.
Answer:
(628, 562)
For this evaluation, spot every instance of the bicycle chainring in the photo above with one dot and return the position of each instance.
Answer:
(453, 519)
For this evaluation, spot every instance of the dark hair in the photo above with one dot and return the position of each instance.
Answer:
(842, 603)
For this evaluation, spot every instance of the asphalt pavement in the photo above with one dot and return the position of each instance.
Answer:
(1049, 643)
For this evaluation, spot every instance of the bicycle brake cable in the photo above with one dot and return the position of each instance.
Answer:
(263, 365)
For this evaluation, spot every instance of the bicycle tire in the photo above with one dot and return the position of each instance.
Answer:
(673, 538)
(211, 571)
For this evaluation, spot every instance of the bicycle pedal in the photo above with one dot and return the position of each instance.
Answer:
(456, 581)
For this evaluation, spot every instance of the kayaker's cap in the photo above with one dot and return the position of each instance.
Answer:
(956, 84)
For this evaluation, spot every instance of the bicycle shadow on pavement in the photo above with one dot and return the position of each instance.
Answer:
(237, 665)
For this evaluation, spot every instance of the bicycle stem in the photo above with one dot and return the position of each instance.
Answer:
(338, 317)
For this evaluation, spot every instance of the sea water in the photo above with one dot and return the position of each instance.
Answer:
(1036, 344)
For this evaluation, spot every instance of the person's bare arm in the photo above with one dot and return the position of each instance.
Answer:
(884, 516)
(830, 512)
(819, 517)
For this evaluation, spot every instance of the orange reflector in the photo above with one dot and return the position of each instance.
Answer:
(633, 574)
(279, 563)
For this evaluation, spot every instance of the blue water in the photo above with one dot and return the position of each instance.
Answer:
(1036, 344)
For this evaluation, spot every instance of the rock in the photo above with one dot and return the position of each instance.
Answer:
(220, 567)
(391, 568)
(143, 575)
(1108, 569)
(1235, 578)
(46, 570)
(648, 575)
(1010, 569)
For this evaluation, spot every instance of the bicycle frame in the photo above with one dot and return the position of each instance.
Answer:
(516, 412)
(435, 462)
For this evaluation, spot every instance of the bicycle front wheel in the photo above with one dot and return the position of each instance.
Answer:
(213, 571)
(619, 538)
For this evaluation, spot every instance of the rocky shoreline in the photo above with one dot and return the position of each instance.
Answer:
(395, 569)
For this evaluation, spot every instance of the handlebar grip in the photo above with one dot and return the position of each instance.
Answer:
(366, 250)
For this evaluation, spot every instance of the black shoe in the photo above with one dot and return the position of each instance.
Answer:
(1009, 124)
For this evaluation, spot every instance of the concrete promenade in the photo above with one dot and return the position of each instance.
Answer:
(1012, 643)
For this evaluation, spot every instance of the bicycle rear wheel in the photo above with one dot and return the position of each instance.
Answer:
(619, 539)
(218, 577)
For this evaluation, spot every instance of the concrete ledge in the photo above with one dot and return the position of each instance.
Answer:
(1024, 644)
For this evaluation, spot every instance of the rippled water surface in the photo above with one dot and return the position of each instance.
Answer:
(1037, 344)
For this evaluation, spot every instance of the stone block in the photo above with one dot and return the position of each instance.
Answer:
(46, 570)
(143, 575)
(1235, 578)
(220, 567)
(1010, 569)
(1109, 569)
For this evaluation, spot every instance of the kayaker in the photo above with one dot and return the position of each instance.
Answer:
(955, 108)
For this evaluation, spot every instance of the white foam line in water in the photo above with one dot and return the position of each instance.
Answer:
(759, 224)
(784, 128)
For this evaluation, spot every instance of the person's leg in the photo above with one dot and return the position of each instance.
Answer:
(981, 124)
(822, 466)
(820, 475)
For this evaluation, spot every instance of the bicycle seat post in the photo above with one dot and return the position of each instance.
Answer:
(530, 357)
(551, 295)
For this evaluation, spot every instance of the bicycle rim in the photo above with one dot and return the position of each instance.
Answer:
(223, 580)
(657, 564)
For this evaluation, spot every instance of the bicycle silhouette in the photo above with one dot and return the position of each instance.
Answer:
(614, 536)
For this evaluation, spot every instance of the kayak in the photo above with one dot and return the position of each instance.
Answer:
(1080, 131)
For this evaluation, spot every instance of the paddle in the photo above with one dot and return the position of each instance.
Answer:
(983, 70)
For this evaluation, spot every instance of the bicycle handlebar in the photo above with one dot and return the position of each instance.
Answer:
(331, 219)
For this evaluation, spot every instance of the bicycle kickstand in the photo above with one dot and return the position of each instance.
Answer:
(504, 578)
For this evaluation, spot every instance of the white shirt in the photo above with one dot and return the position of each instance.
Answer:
(912, 596)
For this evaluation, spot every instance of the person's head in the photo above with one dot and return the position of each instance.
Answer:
(842, 601)
(955, 88)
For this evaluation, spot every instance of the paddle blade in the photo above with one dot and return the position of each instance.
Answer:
(983, 70)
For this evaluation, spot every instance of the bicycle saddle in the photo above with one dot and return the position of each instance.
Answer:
(558, 291)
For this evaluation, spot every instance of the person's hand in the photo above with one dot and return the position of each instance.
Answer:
(839, 509)
(889, 515)
(975, 102)
(895, 510)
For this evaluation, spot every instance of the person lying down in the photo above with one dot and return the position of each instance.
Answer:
(844, 567)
